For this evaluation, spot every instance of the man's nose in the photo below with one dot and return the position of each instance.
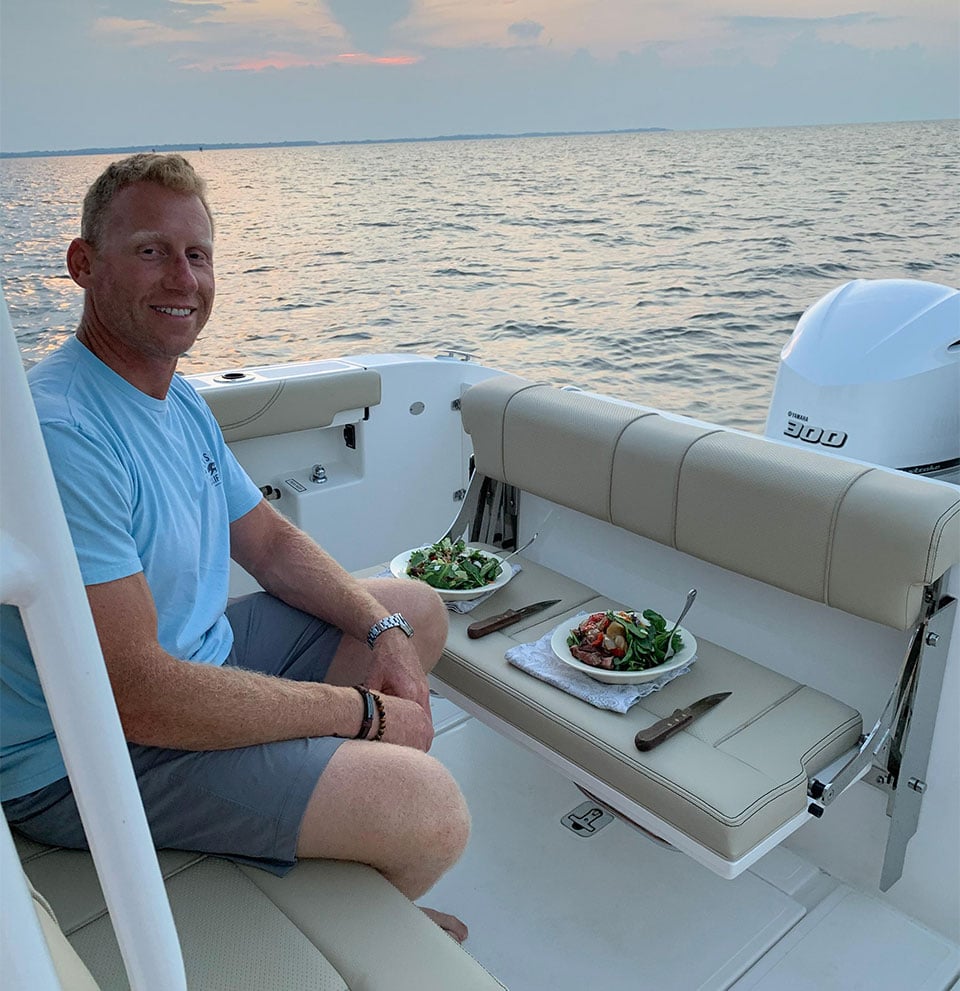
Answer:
(179, 274)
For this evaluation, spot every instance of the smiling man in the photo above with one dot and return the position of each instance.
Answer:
(146, 263)
(291, 723)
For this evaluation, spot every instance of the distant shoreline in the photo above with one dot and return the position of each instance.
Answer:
(222, 146)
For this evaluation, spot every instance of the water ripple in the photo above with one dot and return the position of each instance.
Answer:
(669, 268)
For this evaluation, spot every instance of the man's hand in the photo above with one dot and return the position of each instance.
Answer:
(289, 565)
(407, 723)
(396, 669)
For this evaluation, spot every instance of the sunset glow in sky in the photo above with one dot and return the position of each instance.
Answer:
(84, 73)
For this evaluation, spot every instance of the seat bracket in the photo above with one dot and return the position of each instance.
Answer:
(490, 511)
(894, 754)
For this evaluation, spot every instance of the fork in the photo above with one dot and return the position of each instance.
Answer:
(691, 595)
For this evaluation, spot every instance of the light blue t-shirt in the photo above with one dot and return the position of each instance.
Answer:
(146, 485)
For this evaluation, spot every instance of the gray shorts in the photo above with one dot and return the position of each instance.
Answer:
(245, 804)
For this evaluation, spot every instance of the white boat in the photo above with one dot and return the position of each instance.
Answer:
(803, 834)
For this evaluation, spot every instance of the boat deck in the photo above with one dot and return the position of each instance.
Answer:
(551, 909)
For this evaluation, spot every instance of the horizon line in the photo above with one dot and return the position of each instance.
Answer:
(310, 143)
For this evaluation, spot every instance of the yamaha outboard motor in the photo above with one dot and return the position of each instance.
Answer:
(872, 372)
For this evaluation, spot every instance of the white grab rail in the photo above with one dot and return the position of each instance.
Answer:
(40, 575)
(25, 962)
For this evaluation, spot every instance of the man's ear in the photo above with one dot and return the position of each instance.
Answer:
(79, 261)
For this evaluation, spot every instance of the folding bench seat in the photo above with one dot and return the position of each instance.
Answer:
(866, 541)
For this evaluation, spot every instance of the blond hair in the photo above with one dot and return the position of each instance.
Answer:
(171, 171)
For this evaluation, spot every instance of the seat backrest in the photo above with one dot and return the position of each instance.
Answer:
(266, 407)
(862, 539)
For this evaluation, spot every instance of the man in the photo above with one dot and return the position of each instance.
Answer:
(292, 723)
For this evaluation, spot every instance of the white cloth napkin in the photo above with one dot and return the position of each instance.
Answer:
(460, 605)
(539, 660)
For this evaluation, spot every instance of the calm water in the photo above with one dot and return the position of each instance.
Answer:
(668, 268)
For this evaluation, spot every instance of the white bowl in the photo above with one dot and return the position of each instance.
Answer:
(558, 642)
(398, 568)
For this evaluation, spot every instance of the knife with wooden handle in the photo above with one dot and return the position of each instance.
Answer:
(484, 626)
(664, 728)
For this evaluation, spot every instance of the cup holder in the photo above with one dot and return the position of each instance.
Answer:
(233, 377)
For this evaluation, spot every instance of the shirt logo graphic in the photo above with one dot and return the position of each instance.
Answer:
(213, 472)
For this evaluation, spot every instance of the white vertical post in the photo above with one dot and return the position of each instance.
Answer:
(25, 963)
(40, 575)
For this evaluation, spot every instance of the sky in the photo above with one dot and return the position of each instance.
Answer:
(120, 73)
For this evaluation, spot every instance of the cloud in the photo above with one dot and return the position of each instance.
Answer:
(363, 58)
(139, 33)
(281, 61)
(764, 38)
(862, 29)
(767, 22)
(255, 63)
(688, 30)
(369, 24)
(526, 30)
(245, 36)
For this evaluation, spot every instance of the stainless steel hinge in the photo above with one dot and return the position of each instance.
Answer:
(896, 750)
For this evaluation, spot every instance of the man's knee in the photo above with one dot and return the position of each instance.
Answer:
(392, 807)
(435, 817)
(434, 623)
(395, 800)
(444, 812)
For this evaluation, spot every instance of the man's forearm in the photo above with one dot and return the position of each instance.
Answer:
(290, 566)
(166, 702)
(303, 575)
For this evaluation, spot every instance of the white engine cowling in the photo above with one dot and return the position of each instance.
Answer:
(872, 372)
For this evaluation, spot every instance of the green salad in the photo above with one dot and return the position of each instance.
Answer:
(452, 566)
(623, 641)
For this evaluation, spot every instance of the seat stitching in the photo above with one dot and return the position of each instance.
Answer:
(832, 531)
(777, 789)
(938, 529)
(667, 783)
(613, 457)
(759, 715)
(270, 401)
(503, 426)
(676, 493)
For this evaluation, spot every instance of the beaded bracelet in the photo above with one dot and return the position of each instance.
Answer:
(368, 710)
(382, 713)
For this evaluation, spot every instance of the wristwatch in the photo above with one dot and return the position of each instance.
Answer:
(388, 623)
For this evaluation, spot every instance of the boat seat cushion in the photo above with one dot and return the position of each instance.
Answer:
(326, 926)
(729, 781)
(266, 407)
(861, 539)
(70, 969)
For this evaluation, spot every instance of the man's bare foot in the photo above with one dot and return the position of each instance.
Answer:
(450, 924)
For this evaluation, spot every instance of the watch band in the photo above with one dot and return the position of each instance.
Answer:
(394, 621)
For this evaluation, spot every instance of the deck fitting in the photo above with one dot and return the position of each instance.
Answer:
(587, 819)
